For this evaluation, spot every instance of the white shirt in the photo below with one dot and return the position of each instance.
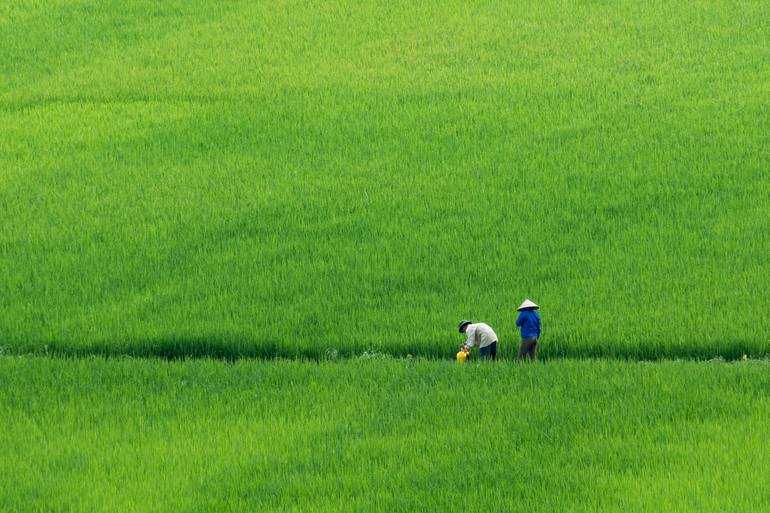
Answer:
(479, 334)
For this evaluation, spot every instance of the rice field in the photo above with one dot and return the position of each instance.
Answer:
(385, 435)
(297, 178)
(236, 239)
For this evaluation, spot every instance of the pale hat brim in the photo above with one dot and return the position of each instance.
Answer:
(527, 305)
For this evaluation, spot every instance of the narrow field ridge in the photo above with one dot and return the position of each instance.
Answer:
(185, 349)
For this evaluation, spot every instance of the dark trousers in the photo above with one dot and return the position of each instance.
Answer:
(528, 348)
(489, 352)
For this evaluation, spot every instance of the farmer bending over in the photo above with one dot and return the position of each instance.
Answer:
(480, 334)
(529, 322)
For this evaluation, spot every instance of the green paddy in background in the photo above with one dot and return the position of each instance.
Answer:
(292, 178)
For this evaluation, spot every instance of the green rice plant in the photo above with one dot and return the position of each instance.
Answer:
(283, 179)
(382, 435)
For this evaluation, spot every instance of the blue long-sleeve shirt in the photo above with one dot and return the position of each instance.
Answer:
(529, 321)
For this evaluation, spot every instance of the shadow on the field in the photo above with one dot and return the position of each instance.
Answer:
(234, 348)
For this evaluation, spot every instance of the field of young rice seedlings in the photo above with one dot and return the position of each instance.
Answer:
(385, 435)
(291, 178)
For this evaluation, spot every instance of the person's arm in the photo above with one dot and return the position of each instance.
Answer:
(518, 320)
(471, 332)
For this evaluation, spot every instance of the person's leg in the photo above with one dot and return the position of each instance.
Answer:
(522, 349)
(533, 350)
(493, 350)
(527, 346)
(485, 352)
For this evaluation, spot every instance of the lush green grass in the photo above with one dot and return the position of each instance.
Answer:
(130, 435)
(286, 178)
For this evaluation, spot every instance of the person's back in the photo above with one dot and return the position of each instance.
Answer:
(482, 334)
(529, 322)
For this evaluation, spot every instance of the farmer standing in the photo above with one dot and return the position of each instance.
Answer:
(529, 322)
(481, 335)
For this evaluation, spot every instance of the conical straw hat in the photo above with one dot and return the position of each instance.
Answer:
(527, 304)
